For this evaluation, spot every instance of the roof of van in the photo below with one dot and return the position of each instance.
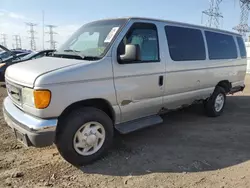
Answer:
(179, 23)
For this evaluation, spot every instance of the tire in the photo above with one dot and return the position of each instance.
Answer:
(2, 78)
(68, 137)
(210, 106)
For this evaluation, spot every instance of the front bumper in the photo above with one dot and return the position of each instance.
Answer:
(31, 131)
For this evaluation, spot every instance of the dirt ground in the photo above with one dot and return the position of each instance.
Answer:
(187, 150)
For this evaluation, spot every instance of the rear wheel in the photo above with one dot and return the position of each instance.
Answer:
(214, 106)
(86, 136)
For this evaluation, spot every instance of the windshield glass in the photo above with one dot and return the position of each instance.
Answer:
(92, 39)
(4, 55)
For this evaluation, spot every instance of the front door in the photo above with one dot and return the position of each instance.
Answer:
(139, 85)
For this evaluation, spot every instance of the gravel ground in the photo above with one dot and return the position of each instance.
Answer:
(187, 150)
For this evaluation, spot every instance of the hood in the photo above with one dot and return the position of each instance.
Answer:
(26, 73)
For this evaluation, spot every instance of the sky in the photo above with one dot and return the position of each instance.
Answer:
(69, 15)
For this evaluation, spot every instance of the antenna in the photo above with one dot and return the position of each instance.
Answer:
(51, 34)
(32, 35)
(213, 14)
(243, 27)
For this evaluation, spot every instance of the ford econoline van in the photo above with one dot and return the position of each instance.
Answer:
(120, 75)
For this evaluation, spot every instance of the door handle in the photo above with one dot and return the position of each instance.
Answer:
(160, 80)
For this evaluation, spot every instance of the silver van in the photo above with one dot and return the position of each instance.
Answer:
(120, 75)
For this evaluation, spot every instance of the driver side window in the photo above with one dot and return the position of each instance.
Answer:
(145, 36)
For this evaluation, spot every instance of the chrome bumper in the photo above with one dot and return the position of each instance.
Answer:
(31, 131)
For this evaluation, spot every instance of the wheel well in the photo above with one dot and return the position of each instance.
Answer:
(225, 84)
(97, 103)
(101, 104)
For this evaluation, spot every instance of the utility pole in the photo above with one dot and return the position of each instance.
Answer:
(17, 40)
(243, 27)
(213, 14)
(4, 40)
(51, 34)
(43, 28)
(32, 35)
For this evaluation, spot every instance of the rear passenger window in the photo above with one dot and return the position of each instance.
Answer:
(242, 47)
(185, 44)
(220, 46)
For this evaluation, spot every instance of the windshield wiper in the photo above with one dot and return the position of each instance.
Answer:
(91, 57)
(75, 52)
(82, 56)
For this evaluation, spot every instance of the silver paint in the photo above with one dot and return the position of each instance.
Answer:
(71, 80)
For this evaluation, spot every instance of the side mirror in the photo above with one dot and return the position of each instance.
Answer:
(132, 53)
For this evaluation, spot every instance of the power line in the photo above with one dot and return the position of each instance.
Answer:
(243, 27)
(213, 14)
(4, 40)
(51, 34)
(18, 42)
(32, 35)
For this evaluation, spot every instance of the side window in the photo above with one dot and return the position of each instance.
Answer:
(146, 37)
(220, 46)
(185, 44)
(242, 47)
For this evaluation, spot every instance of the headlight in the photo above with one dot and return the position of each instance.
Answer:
(36, 98)
(28, 97)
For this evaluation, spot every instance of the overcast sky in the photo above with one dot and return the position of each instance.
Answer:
(70, 15)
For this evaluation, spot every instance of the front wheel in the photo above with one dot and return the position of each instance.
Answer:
(214, 106)
(86, 135)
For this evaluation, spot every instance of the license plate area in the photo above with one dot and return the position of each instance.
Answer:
(21, 137)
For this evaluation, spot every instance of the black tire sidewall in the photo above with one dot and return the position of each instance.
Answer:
(71, 125)
(210, 104)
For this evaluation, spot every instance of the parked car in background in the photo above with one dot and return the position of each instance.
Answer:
(39, 54)
(6, 62)
(19, 51)
(5, 52)
(20, 56)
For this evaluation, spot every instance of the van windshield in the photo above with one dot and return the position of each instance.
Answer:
(92, 39)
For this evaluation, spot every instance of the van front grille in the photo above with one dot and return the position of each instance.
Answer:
(14, 92)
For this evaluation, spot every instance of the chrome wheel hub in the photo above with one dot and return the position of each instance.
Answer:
(219, 102)
(89, 138)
